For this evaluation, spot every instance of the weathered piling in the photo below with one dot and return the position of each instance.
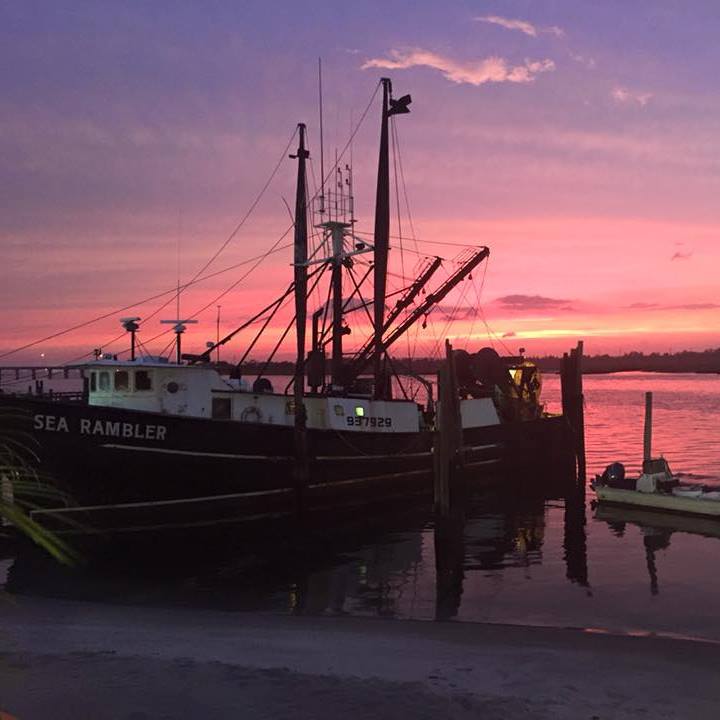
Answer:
(448, 433)
(647, 429)
(441, 451)
(449, 543)
(449, 509)
(575, 540)
(573, 403)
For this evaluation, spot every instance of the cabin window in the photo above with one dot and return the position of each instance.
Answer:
(221, 408)
(360, 411)
(122, 380)
(104, 381)
(93, 382)
(143, 380)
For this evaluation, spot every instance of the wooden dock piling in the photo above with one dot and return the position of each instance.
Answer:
(448, 433)
(647, 429)
(573, 403)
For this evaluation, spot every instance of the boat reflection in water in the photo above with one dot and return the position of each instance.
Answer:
(656, 528)
(406, 564)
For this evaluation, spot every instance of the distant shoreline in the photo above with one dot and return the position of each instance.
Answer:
(705, 363)
(702, 363)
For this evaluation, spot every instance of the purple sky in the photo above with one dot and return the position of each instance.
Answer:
(580, 140)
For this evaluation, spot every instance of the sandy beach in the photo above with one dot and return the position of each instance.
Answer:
(65, 660)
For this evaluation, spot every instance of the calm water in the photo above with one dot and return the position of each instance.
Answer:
(516, 559)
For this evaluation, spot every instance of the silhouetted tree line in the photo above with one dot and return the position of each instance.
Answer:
(706, 361)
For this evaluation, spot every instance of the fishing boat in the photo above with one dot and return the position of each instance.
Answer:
(160, 444)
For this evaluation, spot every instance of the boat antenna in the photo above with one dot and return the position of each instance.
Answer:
(349, 167)
(131, 325)
(177, 295)
(217, 334)
(178, 328)
(322, 146)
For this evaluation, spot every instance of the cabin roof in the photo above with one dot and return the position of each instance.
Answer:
(139, 364)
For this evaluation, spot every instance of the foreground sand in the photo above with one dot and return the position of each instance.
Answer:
(62, 660)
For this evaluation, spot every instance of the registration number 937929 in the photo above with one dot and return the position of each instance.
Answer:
(368, 421)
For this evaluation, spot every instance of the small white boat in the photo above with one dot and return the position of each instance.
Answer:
(655, 489)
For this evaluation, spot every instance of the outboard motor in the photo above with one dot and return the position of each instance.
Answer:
(614, 477)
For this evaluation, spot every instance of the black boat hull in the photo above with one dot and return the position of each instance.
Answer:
(128, 471)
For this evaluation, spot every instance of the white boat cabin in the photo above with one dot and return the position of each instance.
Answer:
(200, 391)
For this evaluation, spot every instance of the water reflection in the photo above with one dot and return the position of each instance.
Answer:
(656, 529)
(575, 537)
(414, 565)
(450, 544)
(511, 556)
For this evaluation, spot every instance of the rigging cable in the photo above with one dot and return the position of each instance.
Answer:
(196, 278)
(460, 298)
(252, 207)
(116, 311)
(410, 220)
(287, 330)
(478, 296)
(217, 253)
(393, 135)
(490, 331)
(222, 248)
(259, 260)
(339, 156)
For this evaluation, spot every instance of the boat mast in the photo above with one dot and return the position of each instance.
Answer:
(337, 233)
(301, 274)
(300, 264)
(382, 229)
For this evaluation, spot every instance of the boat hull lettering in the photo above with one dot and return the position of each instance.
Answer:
(100, 427)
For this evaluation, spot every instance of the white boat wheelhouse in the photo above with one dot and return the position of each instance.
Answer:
(151, 385)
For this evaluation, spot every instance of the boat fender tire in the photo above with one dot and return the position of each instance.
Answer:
(251, 414)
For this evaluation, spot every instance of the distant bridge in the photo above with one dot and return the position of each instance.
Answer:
(12, 373)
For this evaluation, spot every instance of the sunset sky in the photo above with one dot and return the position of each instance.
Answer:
(579, 140)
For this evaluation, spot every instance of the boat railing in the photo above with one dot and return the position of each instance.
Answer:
(53, 395)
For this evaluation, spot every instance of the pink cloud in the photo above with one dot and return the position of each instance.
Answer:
(625, 96)
(532, 302)
(522, 26)
(477, 72)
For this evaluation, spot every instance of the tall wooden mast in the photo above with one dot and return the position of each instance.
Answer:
(300, 263)
(382, 229)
